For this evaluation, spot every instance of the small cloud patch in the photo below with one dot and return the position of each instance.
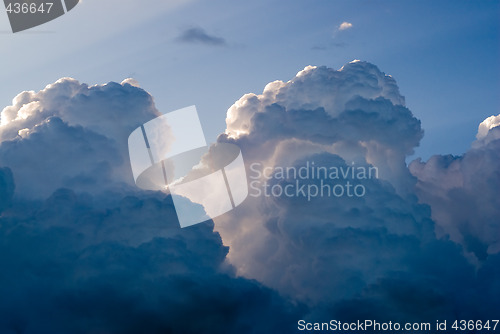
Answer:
(199, 35)
(344, 26)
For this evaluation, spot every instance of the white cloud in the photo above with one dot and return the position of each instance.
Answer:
(334, 117)
(344, 26)
(327, 106)
(348, 253)
(304, 92)
(463, 191)
(486, 125)
(69, 133)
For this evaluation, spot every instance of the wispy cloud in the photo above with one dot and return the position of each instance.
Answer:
(344, 26)
(199, 35)
(319, 48)
(326, 47)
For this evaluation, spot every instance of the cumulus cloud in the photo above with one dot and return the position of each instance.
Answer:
(355, 114)
(344, 26)
(463, 191)
(72, 135)
(316, 87)
(82, 250)
(327, 107)
(199, 35)
(81, 244)
(343, 256)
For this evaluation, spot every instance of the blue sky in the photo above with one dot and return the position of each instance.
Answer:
(444, 55)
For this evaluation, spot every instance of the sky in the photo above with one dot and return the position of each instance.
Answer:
(406, 88)
(443, 55)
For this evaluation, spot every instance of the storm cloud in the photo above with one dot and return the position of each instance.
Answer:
(83, 250)
(381, 255)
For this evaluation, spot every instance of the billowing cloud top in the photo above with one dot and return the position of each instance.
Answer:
(313, 88)
(486, 125)
(72, 135)
(356, 111)
(485, 130)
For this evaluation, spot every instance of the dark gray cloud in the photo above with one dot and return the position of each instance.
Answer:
(6, 188)
(200, 36)
(69, 267)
